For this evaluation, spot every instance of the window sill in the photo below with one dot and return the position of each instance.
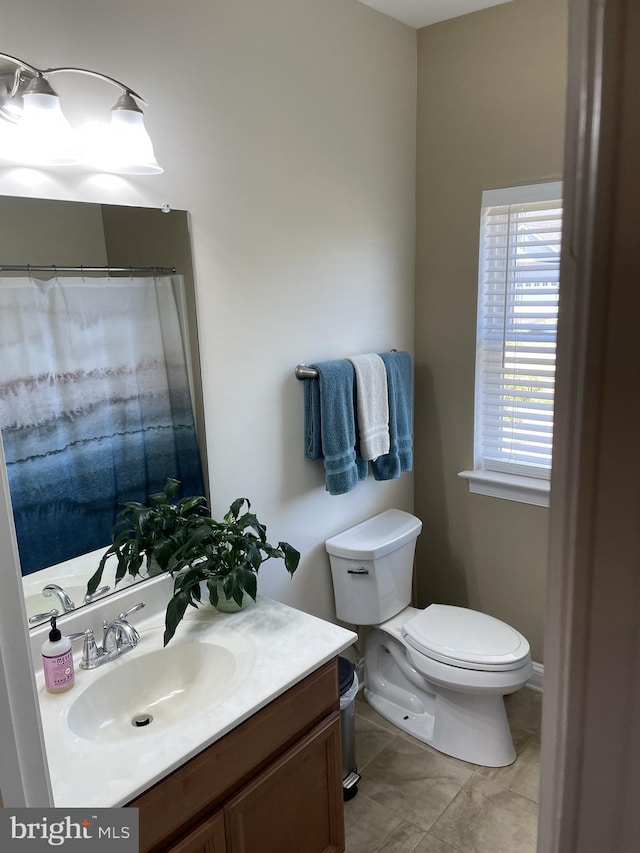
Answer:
(510, 487)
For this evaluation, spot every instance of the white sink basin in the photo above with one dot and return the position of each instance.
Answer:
(142, 693)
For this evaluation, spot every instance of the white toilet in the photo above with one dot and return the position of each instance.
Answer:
(439, 673)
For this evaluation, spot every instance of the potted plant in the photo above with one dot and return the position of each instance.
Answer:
(226, 555)
(150, 533)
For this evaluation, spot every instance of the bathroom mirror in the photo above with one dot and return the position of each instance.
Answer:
(128, 246)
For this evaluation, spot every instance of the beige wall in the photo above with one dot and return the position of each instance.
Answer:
(287, 130)
(491, 90)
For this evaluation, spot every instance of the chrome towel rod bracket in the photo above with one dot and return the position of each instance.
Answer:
(304, 372)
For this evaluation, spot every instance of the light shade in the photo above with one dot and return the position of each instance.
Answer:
(123, 146)
(43, 137)
(34, 131)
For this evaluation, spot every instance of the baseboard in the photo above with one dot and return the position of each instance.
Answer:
(535, 682)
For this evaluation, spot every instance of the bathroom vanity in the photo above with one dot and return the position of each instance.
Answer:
(271, 785)
(243, 751)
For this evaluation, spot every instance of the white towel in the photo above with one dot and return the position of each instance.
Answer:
(373, 404)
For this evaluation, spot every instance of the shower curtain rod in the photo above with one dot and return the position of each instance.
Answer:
(82, 269)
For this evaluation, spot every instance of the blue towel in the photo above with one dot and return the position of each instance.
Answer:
(330, 425)
(400, 385)
(312, 420)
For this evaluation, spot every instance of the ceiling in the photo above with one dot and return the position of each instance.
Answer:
(421, 13)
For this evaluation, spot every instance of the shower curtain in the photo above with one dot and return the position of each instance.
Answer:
(95, 406)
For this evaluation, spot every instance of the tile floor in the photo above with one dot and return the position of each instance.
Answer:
(412, 799)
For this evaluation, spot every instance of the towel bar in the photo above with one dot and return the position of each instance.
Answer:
(304, 372)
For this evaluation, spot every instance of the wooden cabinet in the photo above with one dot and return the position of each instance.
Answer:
(207, 837)
(295, 804)
(272, 785)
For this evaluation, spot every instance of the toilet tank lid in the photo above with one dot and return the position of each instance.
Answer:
(376, 536)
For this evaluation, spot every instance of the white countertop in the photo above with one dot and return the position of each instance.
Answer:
(277, 647)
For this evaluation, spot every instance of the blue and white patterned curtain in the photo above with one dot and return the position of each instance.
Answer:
(95, 406)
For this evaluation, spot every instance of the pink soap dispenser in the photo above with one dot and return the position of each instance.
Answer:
(57, 661)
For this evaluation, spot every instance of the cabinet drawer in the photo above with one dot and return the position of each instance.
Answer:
(196, 789)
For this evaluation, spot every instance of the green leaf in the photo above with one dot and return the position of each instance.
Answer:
(190, 577)
(177, 563)
(237, 592)
(254, 556)
(271, 551)
(96, 577)
(129, 560)
(212, 584)
(249, 582)
(123, 565)
(187, 504)
(196, 593)
(235, 508)
(249, 520)
(203, 532)
(291, 557)
(163, 552)
(172, 487)
(233, 588)
(175, 611)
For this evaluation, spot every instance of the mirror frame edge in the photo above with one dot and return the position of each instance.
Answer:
(24, 772)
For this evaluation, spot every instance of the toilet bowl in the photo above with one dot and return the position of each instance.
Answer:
(439, 674)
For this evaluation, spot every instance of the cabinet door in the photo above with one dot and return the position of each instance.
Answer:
(295, 805)
(208, 837)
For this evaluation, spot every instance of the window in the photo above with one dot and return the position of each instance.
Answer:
(518, 281)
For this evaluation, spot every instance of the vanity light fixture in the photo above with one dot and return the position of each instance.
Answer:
(36, 132)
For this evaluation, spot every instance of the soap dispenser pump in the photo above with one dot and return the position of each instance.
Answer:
(57, 661)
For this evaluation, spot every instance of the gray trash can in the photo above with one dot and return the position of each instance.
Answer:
(348, 682)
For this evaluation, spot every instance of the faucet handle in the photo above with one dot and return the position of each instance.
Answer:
(133, 609)
(40, 617)
(89, 649)
(78, 634)
(89, 597)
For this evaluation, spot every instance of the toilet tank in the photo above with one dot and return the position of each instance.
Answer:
(372, 567)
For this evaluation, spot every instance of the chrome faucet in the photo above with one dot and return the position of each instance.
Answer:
(66, 602)
(118, 637)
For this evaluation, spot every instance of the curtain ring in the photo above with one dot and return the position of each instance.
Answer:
(82, 273)
(55, 271)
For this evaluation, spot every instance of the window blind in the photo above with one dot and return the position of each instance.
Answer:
(517, 325)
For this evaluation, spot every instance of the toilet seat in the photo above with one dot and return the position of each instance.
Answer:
(465, 638)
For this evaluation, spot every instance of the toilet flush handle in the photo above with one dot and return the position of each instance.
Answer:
(359, 571)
